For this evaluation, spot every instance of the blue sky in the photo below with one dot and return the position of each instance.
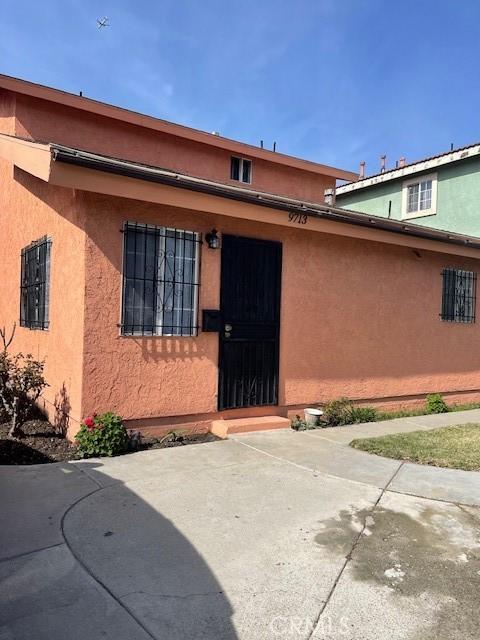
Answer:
(334, 81)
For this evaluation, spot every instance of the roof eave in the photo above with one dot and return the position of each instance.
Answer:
(422, 166)
(336, 214)
(83, 103)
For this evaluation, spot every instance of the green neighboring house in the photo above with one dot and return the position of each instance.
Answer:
(442, 192)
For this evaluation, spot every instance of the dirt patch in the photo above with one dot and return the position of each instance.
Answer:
(174, 440)
(40, 443)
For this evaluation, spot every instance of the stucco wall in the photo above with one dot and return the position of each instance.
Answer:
(359, 318)
(48, 122)
(458, 198)
(28, 212)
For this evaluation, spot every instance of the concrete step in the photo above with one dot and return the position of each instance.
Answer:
(223, 428)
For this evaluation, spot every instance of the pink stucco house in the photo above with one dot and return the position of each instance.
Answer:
(181, 278)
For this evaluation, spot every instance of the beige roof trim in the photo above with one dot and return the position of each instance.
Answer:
(71, 168)
(84, 179)
(32, 157)
(125, 115)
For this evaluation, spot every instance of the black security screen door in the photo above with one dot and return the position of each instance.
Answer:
(250, 312)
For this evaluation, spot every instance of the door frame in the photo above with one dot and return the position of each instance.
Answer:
(279, 245)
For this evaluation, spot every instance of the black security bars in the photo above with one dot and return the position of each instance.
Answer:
(34, 284)
(160, 281)
(458, 295)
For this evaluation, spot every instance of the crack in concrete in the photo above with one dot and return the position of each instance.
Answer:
(207, 593)
(442, 500)
(90, 573)
(475, 518)
(350, 553)
(172, 595)
(28, 553)
(78, 468)
(304, 468)
(320, 437)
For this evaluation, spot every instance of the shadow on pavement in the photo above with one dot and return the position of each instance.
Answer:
(125, 571)
(147, 564)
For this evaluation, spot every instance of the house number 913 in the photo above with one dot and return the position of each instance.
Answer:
(299, 218)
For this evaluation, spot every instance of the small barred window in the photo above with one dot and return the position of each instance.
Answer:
(160, 281)
(34, 284)
(458, 295)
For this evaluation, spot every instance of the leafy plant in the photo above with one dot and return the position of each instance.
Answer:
(103, 435)
(363, 414)
(21, 383)
(300, 425)
(436, 403)
(342, 411)
(338, 412)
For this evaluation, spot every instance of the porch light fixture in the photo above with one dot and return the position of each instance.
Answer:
(212, 239)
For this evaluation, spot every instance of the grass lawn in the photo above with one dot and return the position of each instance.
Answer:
(454, 447)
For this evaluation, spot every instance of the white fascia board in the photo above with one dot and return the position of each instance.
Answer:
(409, 170)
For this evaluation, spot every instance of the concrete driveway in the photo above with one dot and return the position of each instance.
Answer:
(266, 535)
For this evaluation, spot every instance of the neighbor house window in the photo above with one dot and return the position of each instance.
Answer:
(459, 295)
(160, 281)
(241, 170)
(34, 284)
(419, 197)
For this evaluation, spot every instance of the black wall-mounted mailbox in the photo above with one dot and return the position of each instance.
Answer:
(211, 320)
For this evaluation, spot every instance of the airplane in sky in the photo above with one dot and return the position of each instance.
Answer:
(102, 22)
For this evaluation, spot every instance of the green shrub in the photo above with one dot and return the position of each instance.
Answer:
(436, 404)
(338, 412)
(301, 425)
(102, 435)
(342, 411)
(363, 414)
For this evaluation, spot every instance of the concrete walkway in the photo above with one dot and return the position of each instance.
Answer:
(336, 458)
(266, 535)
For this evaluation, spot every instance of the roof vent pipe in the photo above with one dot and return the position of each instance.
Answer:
(383, 162)
(330, 197)
(362, 170)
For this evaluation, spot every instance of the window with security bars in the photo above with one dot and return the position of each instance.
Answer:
(34, 284)
(160, 281)
(459, 295)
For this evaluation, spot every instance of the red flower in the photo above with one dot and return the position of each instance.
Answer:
(89, 422)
